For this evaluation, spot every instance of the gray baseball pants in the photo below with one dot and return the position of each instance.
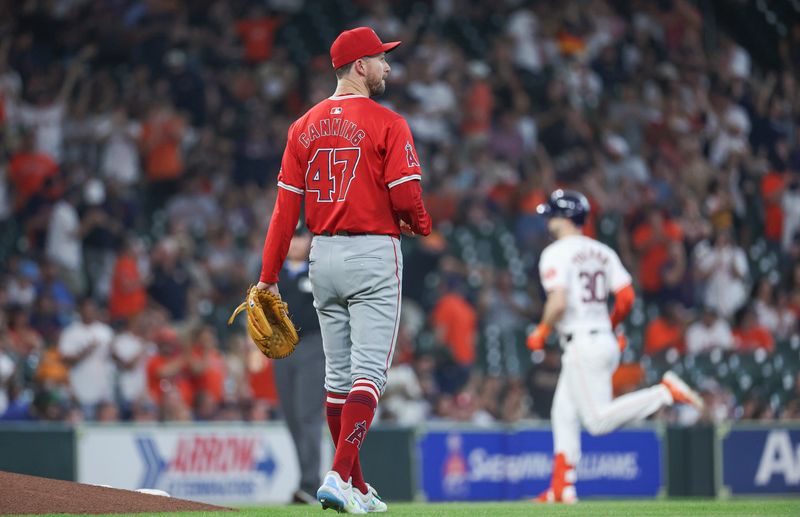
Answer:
(356, 282)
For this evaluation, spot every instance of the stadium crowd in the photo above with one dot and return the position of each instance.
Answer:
(141, 141)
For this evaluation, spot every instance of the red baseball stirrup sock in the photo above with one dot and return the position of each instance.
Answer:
(357, 413)
(334, 403)
(358, 476)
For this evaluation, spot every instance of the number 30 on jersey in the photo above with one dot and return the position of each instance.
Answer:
(330, 173)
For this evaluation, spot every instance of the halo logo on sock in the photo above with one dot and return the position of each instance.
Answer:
(357, 436)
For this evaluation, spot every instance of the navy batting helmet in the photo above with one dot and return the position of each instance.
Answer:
(569, 204)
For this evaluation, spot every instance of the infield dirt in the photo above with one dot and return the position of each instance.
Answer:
(21, 494)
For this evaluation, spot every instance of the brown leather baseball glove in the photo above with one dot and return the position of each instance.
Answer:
(268, 323)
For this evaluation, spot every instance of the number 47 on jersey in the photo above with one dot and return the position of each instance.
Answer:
(330, 173)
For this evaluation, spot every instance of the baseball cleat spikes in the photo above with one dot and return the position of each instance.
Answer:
(331, 503)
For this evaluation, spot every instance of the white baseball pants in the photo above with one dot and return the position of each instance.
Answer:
(584, 393)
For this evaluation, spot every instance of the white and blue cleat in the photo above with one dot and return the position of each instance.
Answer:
(371, 500)
(338, 495)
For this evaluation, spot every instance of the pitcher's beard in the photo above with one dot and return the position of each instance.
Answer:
(376, 88)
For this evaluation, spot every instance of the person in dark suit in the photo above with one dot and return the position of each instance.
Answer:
(300, 378)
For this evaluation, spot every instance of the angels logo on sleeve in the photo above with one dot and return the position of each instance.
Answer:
(410, 157)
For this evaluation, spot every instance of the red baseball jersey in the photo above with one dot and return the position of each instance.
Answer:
(345, 154)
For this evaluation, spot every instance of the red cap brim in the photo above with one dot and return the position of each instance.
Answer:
(388, 47)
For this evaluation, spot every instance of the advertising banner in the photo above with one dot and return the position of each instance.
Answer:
(761, 460)
(219, 464)
(511, 465)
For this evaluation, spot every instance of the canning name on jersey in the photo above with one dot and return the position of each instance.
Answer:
(588, 270)
(346, 153)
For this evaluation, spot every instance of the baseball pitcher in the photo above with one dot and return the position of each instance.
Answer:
(355, 164)
(579, 274)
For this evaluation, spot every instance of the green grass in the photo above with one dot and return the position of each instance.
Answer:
(678, 508)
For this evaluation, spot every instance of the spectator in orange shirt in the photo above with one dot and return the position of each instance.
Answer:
(28, 172)
(261, 377)
(666, 331)
(455, 322)
(160, 140)
(52, 371)
(658, 241)
(480, 101)
(748, 335)
(160, 143)
(168, 370)
(207, 365)
(773, 185)
(257, 32)
(128, 296)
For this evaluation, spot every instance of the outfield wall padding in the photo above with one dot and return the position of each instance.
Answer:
(38, 449)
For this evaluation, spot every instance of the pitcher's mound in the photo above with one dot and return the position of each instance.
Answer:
(23, 494)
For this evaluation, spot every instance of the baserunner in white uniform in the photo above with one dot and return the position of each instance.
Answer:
(579, 273)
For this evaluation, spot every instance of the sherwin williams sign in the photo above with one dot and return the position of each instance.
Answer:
(512, 465)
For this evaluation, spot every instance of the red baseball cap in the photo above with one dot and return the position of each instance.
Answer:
(357, 43)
